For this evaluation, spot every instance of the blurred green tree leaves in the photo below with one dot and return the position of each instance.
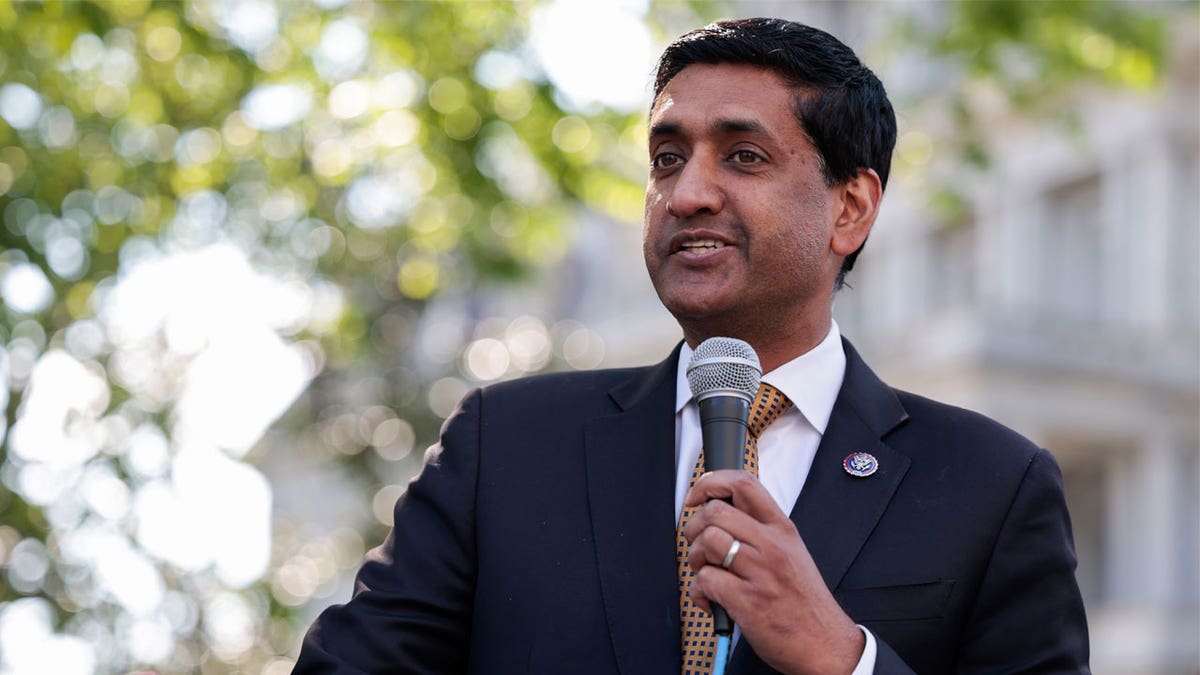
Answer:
(369, 155)
(1033, 58)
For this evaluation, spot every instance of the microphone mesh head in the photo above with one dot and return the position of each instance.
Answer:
(723, 365)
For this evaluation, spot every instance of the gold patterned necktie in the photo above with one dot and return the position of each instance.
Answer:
(698, 642)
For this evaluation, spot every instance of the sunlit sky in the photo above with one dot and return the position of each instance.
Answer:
(595, 52)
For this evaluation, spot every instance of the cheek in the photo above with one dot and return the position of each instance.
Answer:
(648, 252)
(795, 250)
(653, 207)
(654, 198)
(652, 220)
(650, 255)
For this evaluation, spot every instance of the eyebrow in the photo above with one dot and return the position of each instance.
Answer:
(720, 126)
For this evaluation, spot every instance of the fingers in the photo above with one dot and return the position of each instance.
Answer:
(712, 547)
(720, 514)
(752, 506)
(753, 519)
(714, 584)
(772, 588)
(743, 488)
(706, 555)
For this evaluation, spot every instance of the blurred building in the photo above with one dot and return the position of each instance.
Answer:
(1065, 304)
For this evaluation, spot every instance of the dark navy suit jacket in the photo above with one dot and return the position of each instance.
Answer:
(539, 538)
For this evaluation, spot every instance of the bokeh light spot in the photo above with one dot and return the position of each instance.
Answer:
(572, 134)
(915, 147)
(486, 359)
(397, 89)
(20, 106)
(26, 289)
(397, 127)
(418, 277)
(274, 106)
(447, 95)
(498, 70)
(513, 103)
(445, 394)
(384, 503)
(462, 124)
(349, 99)
(163, 43)
(342, 50)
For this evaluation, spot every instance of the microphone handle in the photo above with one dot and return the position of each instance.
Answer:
(724, 426)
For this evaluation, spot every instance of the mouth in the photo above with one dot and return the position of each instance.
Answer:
(701, 246)
(698, 243)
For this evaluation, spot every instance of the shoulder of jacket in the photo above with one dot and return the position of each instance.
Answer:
(961, 429)
(559, 387)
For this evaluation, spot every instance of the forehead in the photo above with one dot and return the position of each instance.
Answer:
(703, 93)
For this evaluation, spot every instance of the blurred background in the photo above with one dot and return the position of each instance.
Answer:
(253, 252)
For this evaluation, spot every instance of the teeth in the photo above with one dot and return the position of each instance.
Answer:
(703, 243)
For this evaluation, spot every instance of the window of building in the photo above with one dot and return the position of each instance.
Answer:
(950, 275)
(1071, 257)
(1085, 481)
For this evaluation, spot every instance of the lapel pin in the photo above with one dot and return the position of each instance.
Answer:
(860, 464)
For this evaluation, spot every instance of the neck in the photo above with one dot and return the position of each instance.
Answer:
(775, 343)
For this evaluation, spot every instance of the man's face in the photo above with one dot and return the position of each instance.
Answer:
(738, 216)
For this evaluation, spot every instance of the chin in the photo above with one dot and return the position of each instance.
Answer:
(702, 322)
(695, 309)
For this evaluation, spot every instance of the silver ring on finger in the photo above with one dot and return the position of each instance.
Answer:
(733, 551)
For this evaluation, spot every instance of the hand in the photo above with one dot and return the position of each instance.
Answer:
(772, 590)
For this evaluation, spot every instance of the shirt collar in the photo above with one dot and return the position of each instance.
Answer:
(812, 380)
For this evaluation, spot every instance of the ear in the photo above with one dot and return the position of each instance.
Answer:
(859, 201)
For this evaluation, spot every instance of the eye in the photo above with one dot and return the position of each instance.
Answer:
(746, 157)
(666, 160)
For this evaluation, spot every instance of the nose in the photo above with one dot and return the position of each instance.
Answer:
(697, 190)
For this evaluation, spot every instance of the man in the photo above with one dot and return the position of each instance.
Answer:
(541, 535)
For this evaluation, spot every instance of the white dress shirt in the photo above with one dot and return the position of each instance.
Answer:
(787, 447)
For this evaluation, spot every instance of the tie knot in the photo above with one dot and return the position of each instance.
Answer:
(768, 405)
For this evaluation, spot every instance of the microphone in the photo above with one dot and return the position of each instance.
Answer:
(724, 375)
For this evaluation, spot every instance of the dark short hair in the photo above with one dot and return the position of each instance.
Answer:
(841, 105)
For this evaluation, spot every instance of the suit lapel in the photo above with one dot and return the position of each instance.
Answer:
(631, 485)
(836, 512)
